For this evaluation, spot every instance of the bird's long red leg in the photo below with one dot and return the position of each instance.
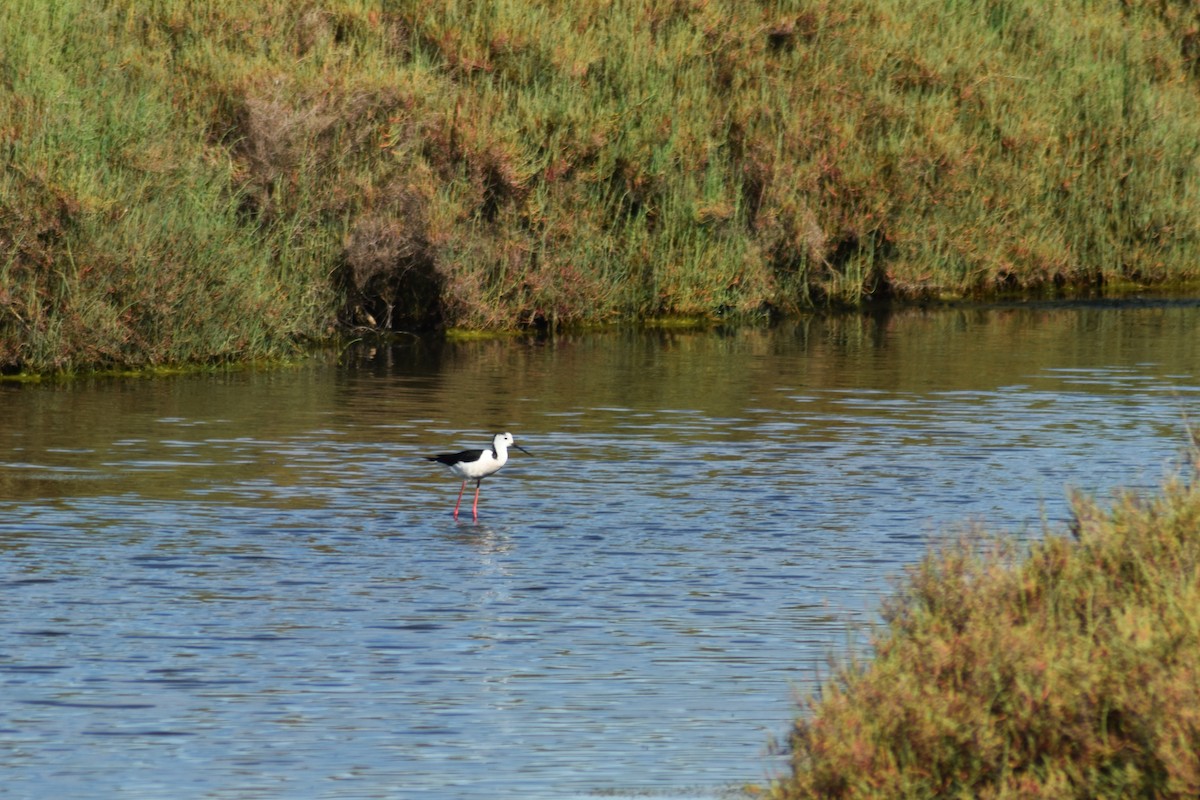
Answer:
(475, 508)
(457, 504)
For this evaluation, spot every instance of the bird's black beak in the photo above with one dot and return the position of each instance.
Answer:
(522, 449)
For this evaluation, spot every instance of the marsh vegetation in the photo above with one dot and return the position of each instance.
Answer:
(198, 184)
(1066, 671)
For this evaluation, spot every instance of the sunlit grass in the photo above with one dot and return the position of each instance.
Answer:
(210, 182)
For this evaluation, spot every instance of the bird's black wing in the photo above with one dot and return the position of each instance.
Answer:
(450, 459)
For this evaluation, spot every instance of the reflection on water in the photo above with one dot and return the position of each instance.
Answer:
(250, 585)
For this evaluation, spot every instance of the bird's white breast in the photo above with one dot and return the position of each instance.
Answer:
(483, 466)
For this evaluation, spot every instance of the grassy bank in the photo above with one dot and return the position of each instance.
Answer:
(1070, 671)
(191, 182)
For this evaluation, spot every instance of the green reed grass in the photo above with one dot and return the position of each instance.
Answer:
(1072, 670)
(207, 182)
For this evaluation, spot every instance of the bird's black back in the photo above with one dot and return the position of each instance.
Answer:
(450, 459)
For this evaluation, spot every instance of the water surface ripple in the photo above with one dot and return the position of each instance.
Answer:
(250, 585)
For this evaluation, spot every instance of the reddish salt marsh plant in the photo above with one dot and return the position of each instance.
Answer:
(1072, 670)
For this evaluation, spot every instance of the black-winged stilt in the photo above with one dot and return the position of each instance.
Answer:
(475, 465)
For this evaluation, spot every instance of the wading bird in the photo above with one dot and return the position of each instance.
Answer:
(475, 465)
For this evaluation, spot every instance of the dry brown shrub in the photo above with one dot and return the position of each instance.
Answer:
(389, 263)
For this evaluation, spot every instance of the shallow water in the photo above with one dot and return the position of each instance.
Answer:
(250, 585)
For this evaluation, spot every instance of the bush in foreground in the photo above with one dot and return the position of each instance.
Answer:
(1071, 672)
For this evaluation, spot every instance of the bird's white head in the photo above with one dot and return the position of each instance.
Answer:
(502, 441)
